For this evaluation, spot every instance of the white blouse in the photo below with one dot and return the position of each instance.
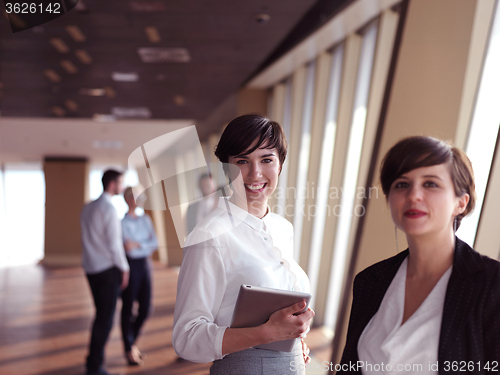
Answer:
(387, 347)
(228, 248)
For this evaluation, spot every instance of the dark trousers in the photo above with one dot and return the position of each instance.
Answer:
(105, 288)
(139, 289)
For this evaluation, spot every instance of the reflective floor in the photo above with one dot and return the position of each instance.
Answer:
(45, 318)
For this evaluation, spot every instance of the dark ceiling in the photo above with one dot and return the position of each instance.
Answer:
(224, 41)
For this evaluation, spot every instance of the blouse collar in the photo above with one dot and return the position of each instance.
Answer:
(241, 214)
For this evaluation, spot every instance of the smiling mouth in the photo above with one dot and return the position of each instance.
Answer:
(255, 187)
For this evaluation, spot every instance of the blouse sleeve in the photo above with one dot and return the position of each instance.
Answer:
(200, 290)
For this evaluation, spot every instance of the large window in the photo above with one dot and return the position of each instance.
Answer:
(22, 214)
(286, 124)
(302, 168)
(484, 129)
(325, 169)
(351, 171)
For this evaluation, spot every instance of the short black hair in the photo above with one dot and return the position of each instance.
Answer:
(109, 176)
(241, 133)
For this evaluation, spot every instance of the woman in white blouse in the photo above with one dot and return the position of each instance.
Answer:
(241, 242)
(433, 308)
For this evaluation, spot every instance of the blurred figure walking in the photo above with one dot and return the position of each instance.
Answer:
(104, 263)
(140, 242)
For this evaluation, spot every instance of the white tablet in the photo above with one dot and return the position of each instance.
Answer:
(256, 304)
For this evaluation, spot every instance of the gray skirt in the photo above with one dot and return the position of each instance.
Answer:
(261, 362)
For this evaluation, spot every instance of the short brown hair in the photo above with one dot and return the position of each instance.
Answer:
(419, 151)
(242, 132)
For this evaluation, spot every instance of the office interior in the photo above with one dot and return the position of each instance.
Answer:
(346, 81)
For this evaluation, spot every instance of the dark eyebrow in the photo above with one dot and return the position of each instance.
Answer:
(246, 156)
(433, 176)
(426, 176)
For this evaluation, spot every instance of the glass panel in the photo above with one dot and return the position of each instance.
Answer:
(484, 129)
(351, 170)
(304, 153)
(330, 130)
(287, 113)
(3, 217)
(22, 215)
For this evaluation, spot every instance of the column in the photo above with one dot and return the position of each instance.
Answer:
(66, 182)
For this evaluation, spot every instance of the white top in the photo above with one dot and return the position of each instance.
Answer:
(228, 248)
(392, 348)
(101, 237)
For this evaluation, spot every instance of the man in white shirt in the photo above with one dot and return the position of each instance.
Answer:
(105, 264)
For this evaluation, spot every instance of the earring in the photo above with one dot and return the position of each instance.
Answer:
(396, 236)
(455, 225)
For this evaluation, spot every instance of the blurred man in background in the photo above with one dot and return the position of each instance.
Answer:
(105, 264)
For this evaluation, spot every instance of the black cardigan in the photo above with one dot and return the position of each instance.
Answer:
(470, 327)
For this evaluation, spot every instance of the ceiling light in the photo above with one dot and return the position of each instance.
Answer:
(164, 55)
(179, 100)
(75, 33)
(107, 144)
(110, 93)
(125, 77)
(99, 117)
(131, 112)
(83, 56)
(71, 105)
(58, 111)
(69, 66)
(92, 92)
(59, 45)
(262, 18)
(152, 34)
(52, 75)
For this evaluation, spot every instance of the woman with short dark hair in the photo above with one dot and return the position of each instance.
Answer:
(433, 308)
(242, 242)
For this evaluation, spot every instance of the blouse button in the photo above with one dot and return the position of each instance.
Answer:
(282, 262)
(265, 238)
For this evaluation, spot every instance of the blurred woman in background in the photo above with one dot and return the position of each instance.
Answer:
(140, 242)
